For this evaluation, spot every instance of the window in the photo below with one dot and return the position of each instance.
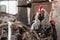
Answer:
(10, 5)
(2, 8)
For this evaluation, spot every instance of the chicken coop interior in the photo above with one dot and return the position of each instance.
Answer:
(29, 19)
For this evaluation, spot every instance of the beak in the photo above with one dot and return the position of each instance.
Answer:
(40, 14)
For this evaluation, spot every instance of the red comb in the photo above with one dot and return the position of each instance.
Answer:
(40, 8)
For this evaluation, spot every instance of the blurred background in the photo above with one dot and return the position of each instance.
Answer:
(24, 10)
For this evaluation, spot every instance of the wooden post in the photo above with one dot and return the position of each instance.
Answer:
(22, 12)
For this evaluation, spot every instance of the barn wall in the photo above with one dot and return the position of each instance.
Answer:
(35, 7)
(39, 0)
(56, 12)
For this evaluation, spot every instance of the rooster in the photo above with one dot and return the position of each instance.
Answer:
(41, 23)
